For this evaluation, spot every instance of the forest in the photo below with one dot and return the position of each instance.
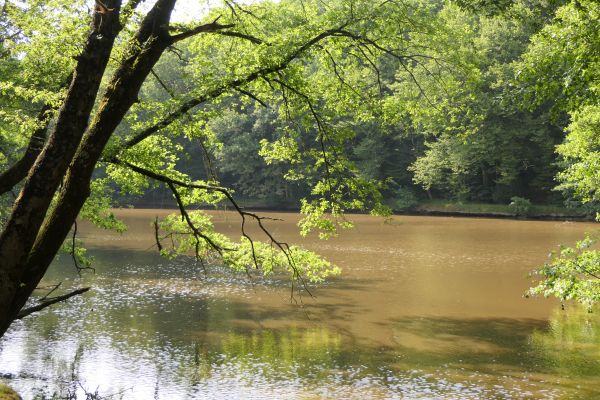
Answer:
(325, 107)
(474, 127)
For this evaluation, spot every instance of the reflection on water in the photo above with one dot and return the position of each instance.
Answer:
(425, 308)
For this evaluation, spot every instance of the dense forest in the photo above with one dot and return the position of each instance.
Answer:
(473, 130)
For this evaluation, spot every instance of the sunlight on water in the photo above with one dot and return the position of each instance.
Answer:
(419, 313)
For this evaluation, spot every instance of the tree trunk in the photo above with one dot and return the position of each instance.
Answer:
(49, 169)
(151, 41)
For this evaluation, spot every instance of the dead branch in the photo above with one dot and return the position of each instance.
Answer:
(27, 311)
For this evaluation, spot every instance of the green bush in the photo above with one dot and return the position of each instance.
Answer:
(520, 206)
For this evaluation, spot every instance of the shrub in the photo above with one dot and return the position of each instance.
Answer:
(520, 206)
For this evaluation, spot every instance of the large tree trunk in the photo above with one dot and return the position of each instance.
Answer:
(151, 41)
(32, 238)
(49, 169)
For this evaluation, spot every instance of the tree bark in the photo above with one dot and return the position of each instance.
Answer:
(49, 169)
(150, 42)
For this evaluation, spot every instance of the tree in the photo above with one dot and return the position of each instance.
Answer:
(480, 145)
(101, 129)
(561, 68)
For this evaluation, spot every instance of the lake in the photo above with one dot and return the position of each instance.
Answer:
(426, 307)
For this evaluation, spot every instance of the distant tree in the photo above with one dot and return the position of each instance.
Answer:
(480, 145)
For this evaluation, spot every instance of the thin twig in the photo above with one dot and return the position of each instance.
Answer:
(51, 291)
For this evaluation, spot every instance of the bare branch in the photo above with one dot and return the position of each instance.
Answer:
(27, 311)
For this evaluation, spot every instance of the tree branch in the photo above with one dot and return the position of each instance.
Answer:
(185, 216)
(233, 84)
(282, 246)
(252, 96)
(161, 83)
(210, 27)
(19, 170)
(27, 311)
(240, 35)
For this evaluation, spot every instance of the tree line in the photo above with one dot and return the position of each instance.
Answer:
(466, 132)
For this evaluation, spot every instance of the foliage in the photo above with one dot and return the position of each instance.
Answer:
(479, 145)
(573, 273)
(561, 67)
(581, 155)
(520, 206)
(404, 199)
(245, 254)
(299, 117)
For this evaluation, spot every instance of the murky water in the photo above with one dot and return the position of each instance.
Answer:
(428, 308)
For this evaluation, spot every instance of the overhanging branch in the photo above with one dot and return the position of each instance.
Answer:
(210, 27)
(233, 84)
(27, 311)
(172, 183)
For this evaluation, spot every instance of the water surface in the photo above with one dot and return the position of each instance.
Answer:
(426, 307)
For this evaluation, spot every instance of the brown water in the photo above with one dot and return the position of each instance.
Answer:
(426, 307)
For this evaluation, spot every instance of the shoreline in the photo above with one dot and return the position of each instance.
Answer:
(414, 212)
